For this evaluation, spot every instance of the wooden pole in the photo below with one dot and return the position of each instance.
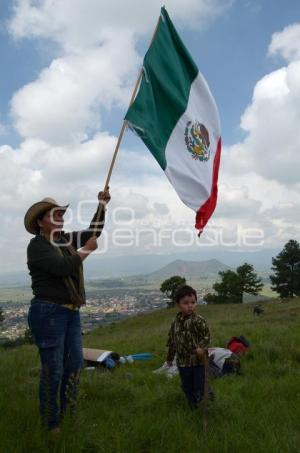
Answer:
(101, 205)
(205, 396)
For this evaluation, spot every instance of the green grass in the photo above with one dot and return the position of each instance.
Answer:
(133, 410)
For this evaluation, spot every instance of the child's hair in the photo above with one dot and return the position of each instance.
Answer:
(183, 291)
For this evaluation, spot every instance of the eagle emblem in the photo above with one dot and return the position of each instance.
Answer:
(197, 141)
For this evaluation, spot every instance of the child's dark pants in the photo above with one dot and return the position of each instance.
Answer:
(192, 383)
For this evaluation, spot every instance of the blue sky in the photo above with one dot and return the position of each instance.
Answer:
(231, 52)
(21, 62)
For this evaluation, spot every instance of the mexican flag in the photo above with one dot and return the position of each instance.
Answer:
(175, 115)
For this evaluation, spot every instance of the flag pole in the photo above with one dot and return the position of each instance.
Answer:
(101, 204)
(206, 390)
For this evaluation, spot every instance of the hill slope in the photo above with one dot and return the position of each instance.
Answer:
(190, 269)
(133, 410)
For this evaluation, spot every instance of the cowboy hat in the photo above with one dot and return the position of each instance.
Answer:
(36, 210)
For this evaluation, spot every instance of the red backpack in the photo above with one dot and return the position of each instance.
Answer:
(238, 345)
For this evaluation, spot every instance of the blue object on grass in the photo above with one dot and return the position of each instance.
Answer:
(142, 356)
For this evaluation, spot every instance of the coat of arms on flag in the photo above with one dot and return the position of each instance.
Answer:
(197, 140)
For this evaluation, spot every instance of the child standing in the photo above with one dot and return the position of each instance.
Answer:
(188, 338)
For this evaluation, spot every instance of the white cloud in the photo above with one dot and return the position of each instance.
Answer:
(271, 148)
(65, 102)
(236, 202)
(286, 43)
(80, 23)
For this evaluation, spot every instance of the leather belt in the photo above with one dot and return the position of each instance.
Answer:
(70, 307)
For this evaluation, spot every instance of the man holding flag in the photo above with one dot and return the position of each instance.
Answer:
(174, 113)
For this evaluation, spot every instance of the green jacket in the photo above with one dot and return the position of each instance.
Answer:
(185, 335)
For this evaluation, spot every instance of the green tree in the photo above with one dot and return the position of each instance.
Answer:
(286, 266)
(234, 284)
(250, 283)
(1, 316)
(228, 289)
(169, 286)
(211, 298)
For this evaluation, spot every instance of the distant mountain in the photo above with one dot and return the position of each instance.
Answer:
(189, 269)
(106, 266)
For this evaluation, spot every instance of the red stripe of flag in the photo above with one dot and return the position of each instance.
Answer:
(204, 213)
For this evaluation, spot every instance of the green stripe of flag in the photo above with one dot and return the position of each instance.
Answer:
(169, 71)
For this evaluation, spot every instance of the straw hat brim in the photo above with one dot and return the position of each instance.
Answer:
(35, 211)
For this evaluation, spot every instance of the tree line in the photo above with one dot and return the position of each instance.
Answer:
(233, 284)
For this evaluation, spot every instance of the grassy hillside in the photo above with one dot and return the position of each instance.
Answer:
(133, 410)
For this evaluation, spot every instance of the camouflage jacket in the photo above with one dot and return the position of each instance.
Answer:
(185, 335)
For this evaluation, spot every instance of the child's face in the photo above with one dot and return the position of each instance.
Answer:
(187, 305)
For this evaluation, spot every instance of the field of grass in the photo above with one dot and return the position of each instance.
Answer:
(133, 410)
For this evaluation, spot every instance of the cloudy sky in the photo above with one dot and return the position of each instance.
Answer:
(67, 72)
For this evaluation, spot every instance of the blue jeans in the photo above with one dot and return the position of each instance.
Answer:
(57, 334)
